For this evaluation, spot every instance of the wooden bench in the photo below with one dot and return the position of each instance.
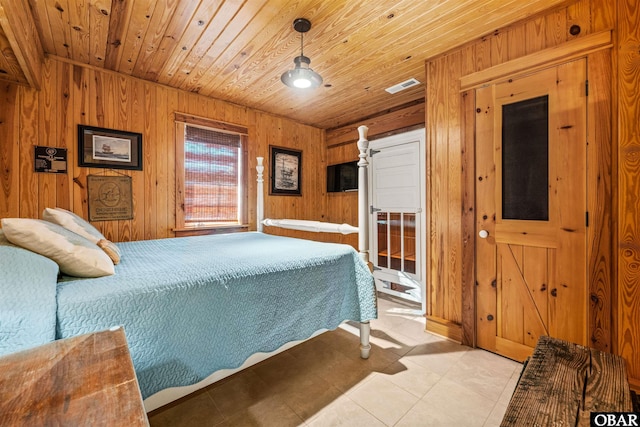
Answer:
(562, 383)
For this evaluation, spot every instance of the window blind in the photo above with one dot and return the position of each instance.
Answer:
(212, 189)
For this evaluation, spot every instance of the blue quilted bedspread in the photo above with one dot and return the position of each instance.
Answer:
(27, 298)
(192, 306)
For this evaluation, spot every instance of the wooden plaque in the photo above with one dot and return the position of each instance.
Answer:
(110, 198)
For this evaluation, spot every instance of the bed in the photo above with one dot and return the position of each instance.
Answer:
(196, 309)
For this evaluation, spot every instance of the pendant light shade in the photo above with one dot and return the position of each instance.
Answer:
(301, 76)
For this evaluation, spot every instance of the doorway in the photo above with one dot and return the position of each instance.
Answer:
(398, 215)
(531, 210)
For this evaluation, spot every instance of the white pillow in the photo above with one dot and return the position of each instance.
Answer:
(75, 255)
(78, 225)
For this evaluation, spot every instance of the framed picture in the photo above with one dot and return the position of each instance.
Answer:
(109, 148)
(50, 159)
(286, 168)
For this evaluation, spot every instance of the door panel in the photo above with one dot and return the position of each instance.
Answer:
(536, 276)
(486, 254)
(531, 199)
(395, 171)
(524, 316)
(397, 205)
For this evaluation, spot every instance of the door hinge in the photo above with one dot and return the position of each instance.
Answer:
(586, 87)
(372, 152)
(372, 209)
(586, 218)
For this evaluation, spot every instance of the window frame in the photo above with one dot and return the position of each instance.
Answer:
(183, 229)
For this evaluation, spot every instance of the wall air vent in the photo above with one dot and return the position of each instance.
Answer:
(402, 86)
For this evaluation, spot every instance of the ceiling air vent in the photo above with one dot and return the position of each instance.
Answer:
(402, 86)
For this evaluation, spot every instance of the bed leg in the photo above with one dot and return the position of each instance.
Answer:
(365, 347)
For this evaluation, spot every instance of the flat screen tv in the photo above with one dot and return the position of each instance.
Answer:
(342, 177)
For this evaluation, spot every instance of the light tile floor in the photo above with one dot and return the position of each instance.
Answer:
(413, 378)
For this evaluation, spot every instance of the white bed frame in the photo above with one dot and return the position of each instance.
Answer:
(170, 394)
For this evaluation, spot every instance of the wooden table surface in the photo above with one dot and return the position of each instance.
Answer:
(81, 381)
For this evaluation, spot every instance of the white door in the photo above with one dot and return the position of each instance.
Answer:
(397, 189)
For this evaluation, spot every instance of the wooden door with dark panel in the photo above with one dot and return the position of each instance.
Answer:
(531, 210)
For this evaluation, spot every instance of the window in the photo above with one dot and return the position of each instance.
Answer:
(525, 160)
(211, 184)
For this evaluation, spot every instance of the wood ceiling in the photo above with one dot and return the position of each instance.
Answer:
(236, 50)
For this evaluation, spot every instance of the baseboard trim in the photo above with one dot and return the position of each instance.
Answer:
(444, 327)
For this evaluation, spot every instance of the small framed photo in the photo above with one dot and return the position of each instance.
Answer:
(286, 170)
(109, 148)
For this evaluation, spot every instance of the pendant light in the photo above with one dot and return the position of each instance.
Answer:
(301, 77)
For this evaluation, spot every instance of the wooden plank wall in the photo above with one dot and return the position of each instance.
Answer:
(72, 94)
(614, 252)
(627, 304)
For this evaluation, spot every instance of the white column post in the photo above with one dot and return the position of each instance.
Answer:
(260, 196)
(363, 226)
(363, 209)
(365, 345)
